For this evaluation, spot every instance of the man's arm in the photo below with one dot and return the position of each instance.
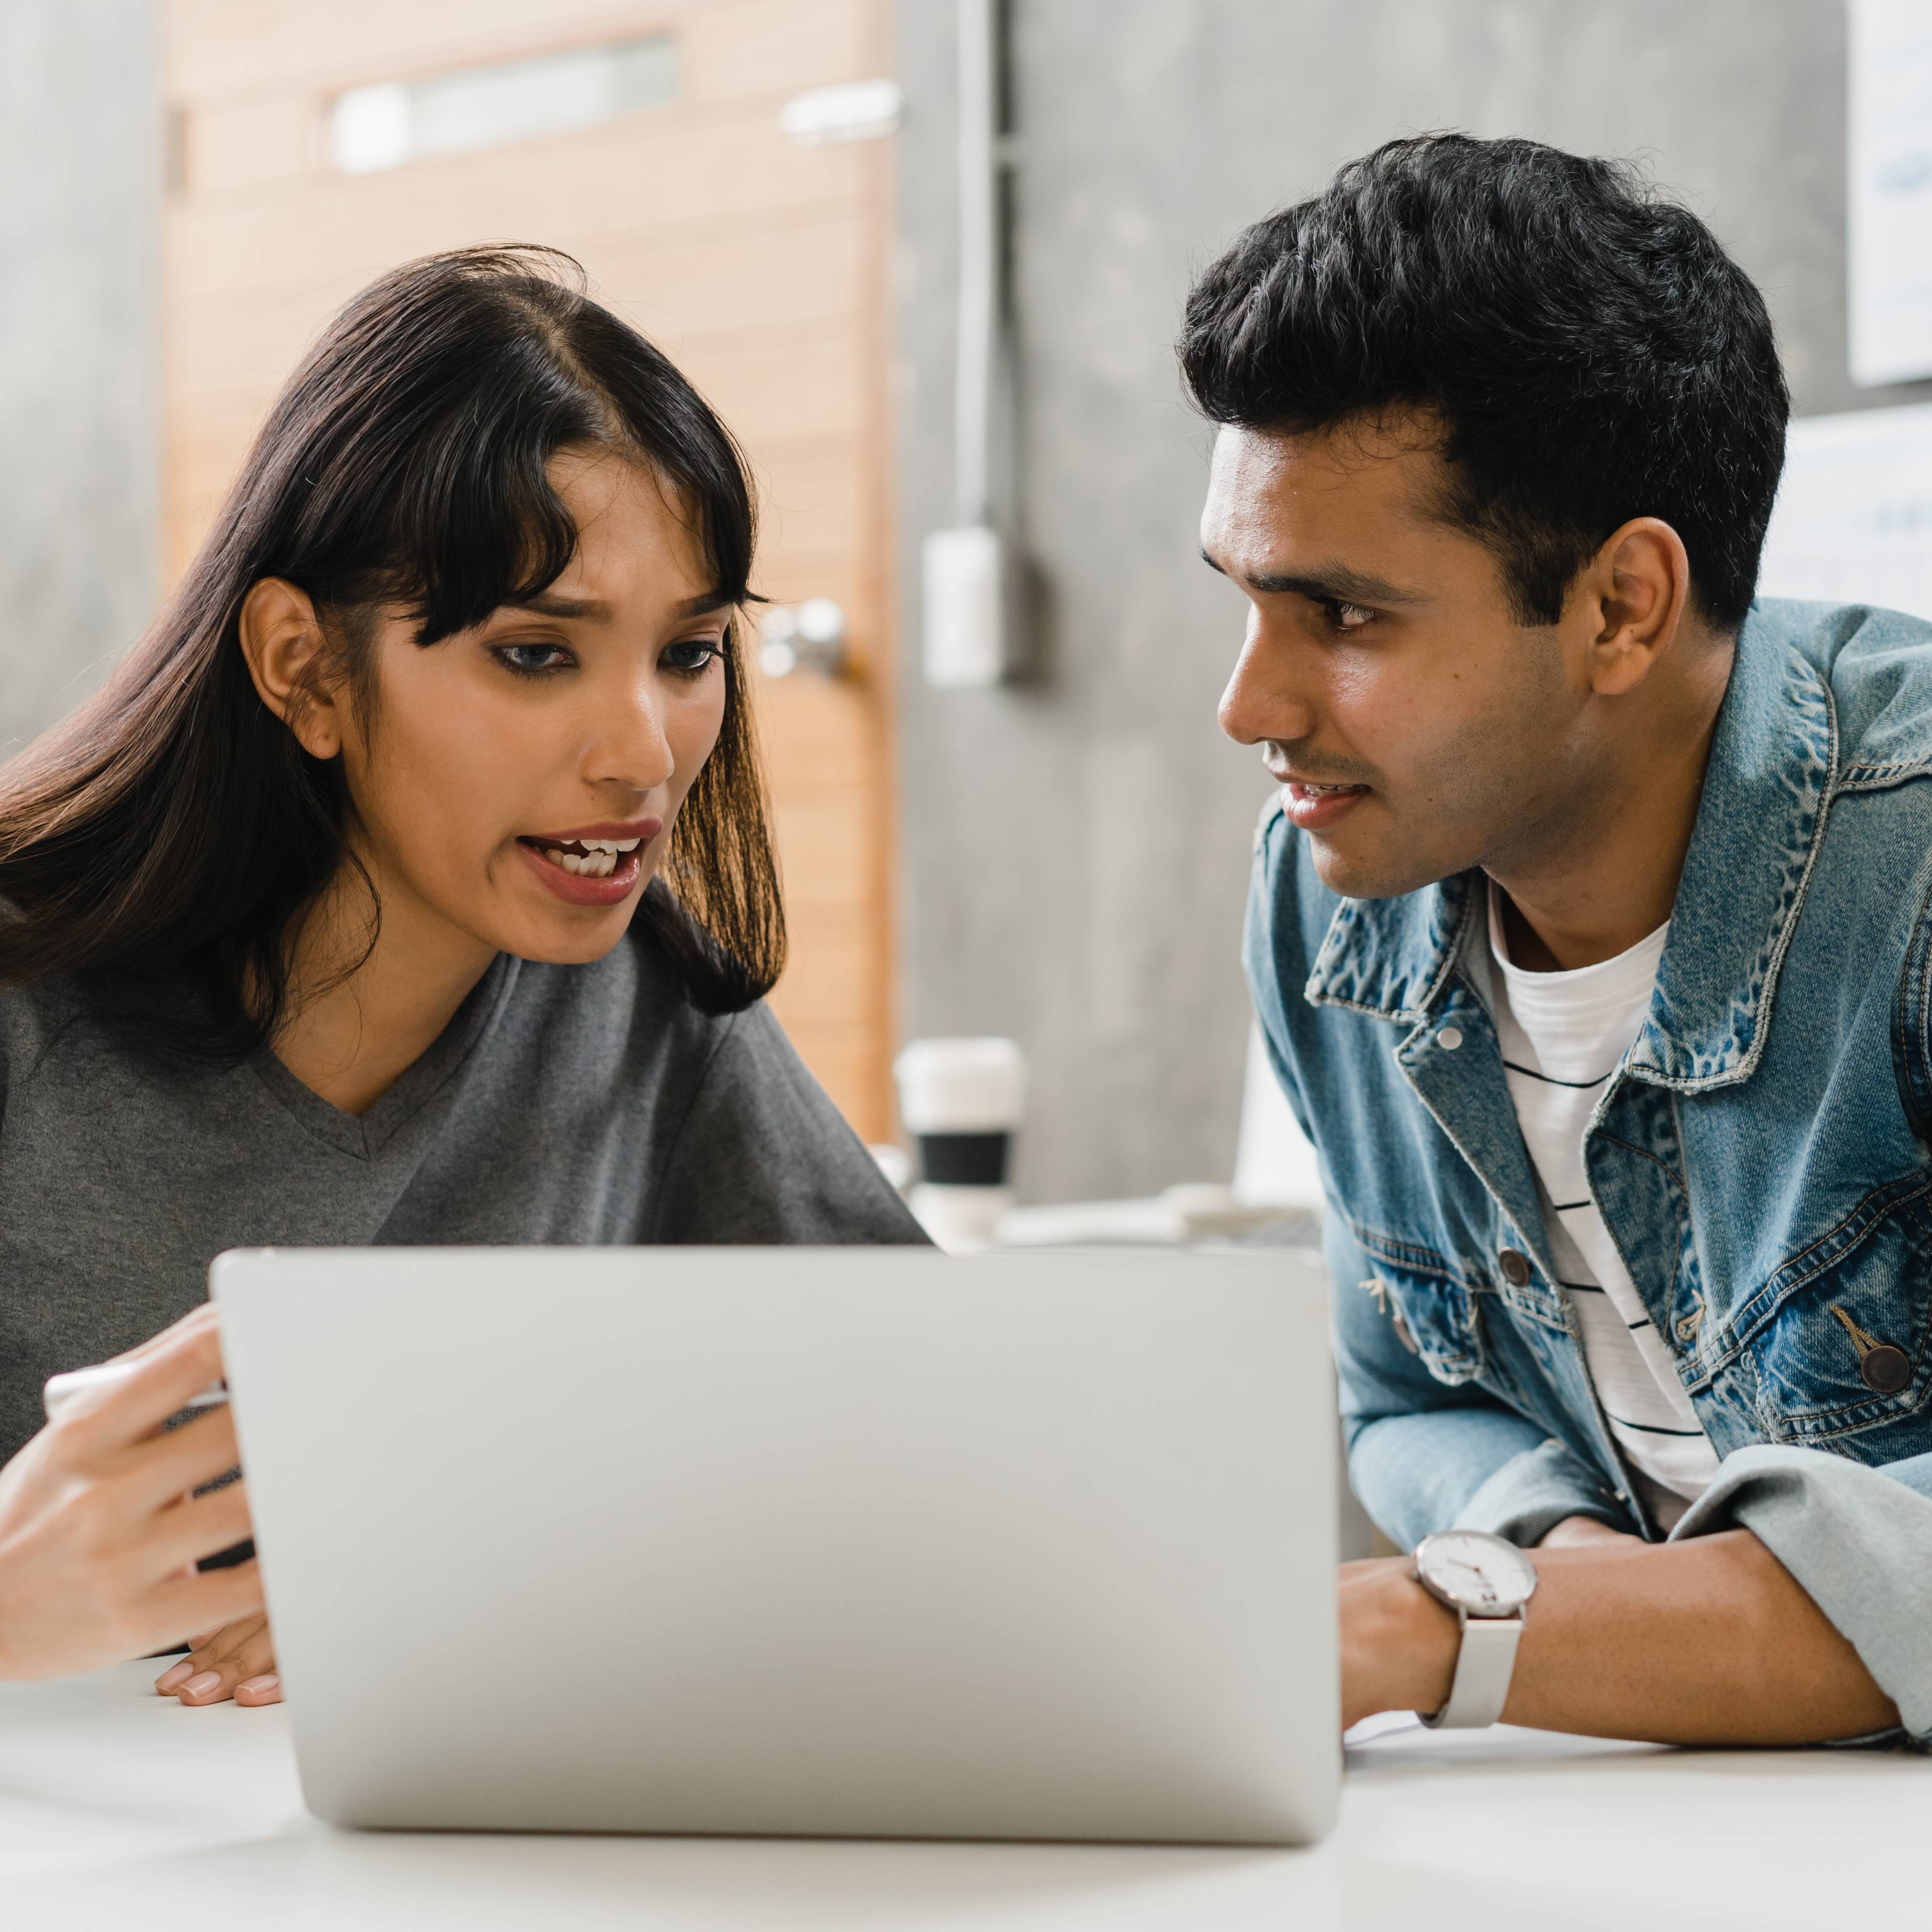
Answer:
(1424, 1455)
(1711, 1641)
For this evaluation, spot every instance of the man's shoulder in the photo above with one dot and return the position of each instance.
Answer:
(1877, 664)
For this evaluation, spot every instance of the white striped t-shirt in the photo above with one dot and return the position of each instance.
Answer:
(1562, 1036)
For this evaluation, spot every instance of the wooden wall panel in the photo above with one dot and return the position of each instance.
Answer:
(760, 267)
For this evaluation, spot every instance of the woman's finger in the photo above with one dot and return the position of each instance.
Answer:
(243, 1653)
(209, 1652)
(194, 1600)
(185, 1361)
(155, 1472)
(183, 1533)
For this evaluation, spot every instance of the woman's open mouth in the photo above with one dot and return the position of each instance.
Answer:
(586, 858)
(590, 869)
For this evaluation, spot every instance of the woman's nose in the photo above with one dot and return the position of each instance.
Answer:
(628, 745)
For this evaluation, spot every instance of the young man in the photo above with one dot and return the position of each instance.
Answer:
(1591, 935)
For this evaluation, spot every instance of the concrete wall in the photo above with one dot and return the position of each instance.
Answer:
(80, 158)
(1075, 851)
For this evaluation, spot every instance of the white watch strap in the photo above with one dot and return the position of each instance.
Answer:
(1483, 1668)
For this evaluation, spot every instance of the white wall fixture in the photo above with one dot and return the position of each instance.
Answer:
(967, 586)
(964, 594)
(384, 125)
(1853, 520)
(860, 110)
(1888, 168)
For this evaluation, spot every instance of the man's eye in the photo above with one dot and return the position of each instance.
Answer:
(690, 657)
(1348, 616)
(532, 660)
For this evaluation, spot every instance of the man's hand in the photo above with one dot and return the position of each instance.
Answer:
(1711, 1641)
(100, 1526)
(237, 1661)
(1398, 1645)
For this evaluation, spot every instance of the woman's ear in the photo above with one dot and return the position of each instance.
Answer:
(283, 641)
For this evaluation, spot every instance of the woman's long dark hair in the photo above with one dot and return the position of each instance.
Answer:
(162, 844)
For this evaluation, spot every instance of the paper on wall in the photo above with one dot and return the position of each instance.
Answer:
(1853, 522)
(1889, 163)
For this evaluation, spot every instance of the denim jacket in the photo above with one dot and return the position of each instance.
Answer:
(1763, 1155)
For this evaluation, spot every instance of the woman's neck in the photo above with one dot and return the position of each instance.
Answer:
(352, 1034)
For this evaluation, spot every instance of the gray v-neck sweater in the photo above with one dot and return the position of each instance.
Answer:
(564, 1104)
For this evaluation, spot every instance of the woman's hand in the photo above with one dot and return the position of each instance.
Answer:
(237, 1661)
(100, 1528)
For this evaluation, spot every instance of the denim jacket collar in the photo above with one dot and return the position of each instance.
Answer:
(1767, 788)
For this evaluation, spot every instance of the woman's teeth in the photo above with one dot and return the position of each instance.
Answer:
(590, 858)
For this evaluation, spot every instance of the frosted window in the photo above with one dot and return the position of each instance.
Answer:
(372, 128)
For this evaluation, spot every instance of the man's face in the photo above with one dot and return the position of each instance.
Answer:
(1420, 727)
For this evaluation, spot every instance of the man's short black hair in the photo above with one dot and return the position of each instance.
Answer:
(1592, 353)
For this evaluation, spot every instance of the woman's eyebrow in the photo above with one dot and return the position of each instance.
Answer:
(552, 604)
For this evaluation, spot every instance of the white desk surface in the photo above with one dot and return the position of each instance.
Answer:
(118, 1809)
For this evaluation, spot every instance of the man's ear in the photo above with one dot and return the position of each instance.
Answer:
(1640, 584)
(287, 651)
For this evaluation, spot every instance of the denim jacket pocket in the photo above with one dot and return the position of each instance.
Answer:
(1843, 1342)
(1433, 1308)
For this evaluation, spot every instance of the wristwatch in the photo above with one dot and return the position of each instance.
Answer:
(1487, 1582)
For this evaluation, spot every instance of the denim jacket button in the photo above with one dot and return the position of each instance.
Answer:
(1515, 1267)
(1884, 1370)
(1449, 1039)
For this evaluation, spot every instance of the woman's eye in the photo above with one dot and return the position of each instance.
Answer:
(532, 660)
(689, 658)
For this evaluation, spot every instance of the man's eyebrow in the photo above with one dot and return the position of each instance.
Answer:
(1328, 583)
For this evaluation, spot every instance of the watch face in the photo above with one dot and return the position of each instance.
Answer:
(1481, 1573)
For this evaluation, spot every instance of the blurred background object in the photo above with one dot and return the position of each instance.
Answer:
(80, 181)
(963, 1102)
(927, 257)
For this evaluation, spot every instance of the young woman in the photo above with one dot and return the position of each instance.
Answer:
(410, 882)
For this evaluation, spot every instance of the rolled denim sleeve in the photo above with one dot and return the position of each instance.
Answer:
(1424, 1456)
(1538, 1488)
(1858, 1540)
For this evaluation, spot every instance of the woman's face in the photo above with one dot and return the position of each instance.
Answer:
(516, 783)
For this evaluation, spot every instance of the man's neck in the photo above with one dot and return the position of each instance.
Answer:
(1609, 878)
(349, 1040)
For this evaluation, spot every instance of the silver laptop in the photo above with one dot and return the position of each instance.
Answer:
(861, 1543)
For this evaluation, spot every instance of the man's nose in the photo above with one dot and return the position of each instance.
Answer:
(1264, 699)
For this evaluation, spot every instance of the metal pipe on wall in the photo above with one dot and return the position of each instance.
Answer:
(967, 586)
(978, 260)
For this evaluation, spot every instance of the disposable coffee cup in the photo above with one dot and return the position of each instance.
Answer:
(962, 1101)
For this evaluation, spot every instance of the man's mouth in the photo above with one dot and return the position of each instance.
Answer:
(584, 858)
(1314, 804)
